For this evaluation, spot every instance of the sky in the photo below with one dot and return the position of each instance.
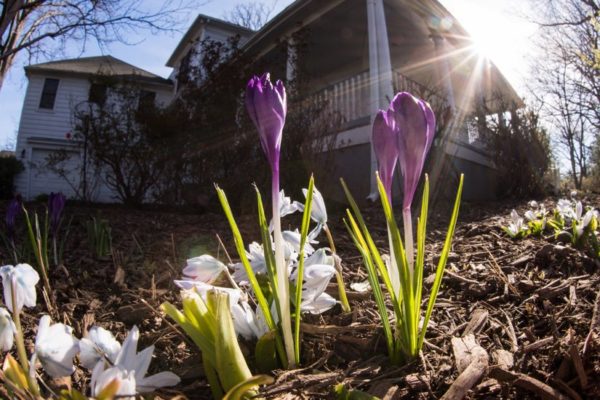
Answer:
(496, 26)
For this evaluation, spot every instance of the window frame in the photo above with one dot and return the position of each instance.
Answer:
(44, 103)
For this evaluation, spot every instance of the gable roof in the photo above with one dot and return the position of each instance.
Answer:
(105, 65)
(192, 33)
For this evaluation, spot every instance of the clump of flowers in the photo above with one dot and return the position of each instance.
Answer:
(263, 296)
(402, 134)
(116, 370)
(569, 219)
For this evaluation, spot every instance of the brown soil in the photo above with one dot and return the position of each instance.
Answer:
(532, 306)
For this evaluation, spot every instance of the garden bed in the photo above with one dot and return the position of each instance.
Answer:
(531, 307)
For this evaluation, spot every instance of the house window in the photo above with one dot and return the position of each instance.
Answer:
(147, 99)
(97, 94)
(49, 93)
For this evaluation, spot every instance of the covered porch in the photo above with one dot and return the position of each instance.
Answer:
(351, 56)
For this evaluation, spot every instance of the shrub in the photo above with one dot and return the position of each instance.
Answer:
(9, 168)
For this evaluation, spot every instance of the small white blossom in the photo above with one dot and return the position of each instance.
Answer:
(287, 206)
(293, 238)
(22, 279)
(318, 212)
(130, 361)
(201, 288)
(99, 345)
(55, 347)
(516, 225)
(318, 271)
(7, 330)
(204, 268)
(125, 380)
(246, 322)
(256, 257)
(565, 208)
(533, 204)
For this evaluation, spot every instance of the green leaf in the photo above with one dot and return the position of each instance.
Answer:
(420, 261)
(241, 390)
(406, 318)
(442, 263)
(370, 243)
(299, 281)
(231, 364)
(359, 241)
(194, 330)
(241, 249)
(266, 353)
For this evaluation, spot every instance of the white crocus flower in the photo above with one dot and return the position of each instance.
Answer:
(204, 268)
(318, 271)
(516, 224)
(55, 347)
(287, 206)
(318, 212)
(22, 279)
(293, 238)
(533, 204)
(7, 330)
(246, 322)
(130, 361)
(530, 215)
(582, 220)
(256, 257)
(201, 288)
(101, 378)
(99, 345)
(565, 208)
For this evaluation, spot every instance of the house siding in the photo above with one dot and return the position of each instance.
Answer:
(43, 131)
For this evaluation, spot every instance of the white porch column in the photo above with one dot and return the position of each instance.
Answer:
(444, 69)
(380, 72)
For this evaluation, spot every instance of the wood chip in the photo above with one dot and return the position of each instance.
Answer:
(537, 344)
(528, 383)
(477, 322)
(472, 361)
(578, 363)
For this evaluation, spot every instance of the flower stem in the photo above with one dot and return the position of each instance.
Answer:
(283, 281)
(408, 240)
(20, 342)
(338, 272)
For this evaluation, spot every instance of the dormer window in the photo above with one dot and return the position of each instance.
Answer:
(49, 93)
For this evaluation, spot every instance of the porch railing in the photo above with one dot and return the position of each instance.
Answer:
(349, 98)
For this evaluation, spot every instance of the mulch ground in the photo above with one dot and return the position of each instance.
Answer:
(522, 318)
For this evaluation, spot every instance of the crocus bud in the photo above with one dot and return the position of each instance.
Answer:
(56, 204)
(416, 127)
(385, 147)
(267, 107)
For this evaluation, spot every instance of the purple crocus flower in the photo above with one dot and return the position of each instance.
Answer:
(56, 204)
(267, 106)
(385, 147)
(14, 208)
(415, 123)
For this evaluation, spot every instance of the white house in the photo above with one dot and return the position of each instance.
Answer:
(356, 55)
(54, 90)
